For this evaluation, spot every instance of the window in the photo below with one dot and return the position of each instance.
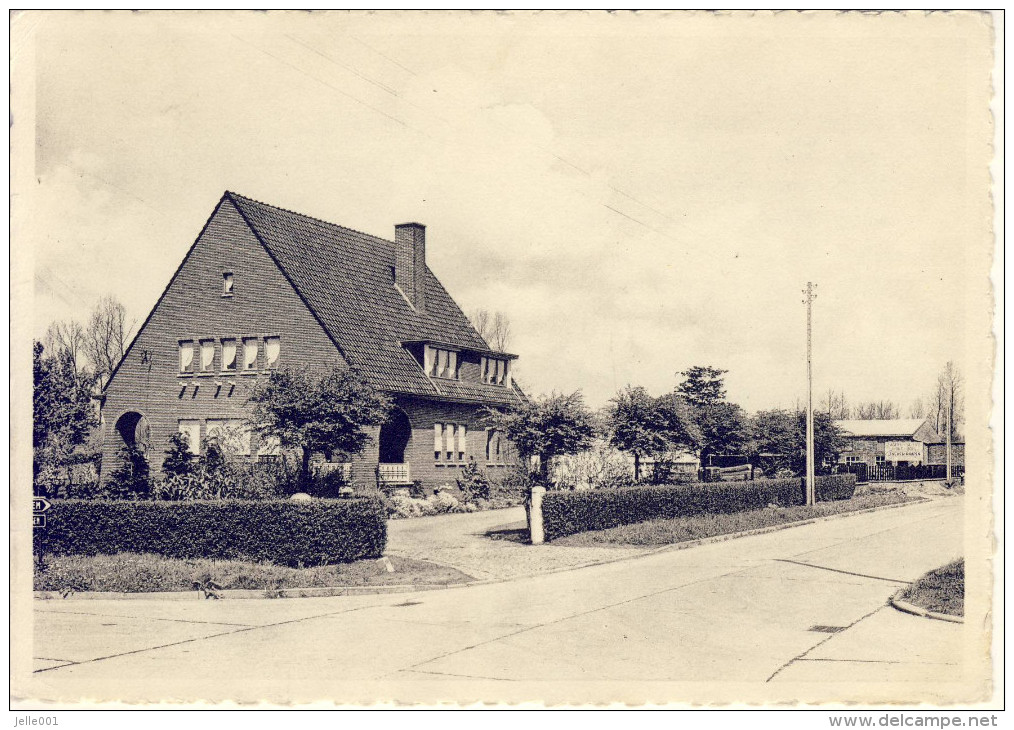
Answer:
(440, 363)
(853, 460)
(494, 370)
(228, 354)
(438, 440)
(207, 355)
(462, 441)
(192, 431)
(249, 353)
(494, 447)
(187, 356)
(227, 284)
(272, 350)
(880, 459)
(232, 434)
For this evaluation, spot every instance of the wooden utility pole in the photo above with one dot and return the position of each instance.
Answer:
(811, 492)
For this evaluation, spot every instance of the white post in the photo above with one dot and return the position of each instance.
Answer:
(535, 529)
(950, 415)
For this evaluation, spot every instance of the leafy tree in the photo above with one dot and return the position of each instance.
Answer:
(318, 411)
(646, 426)
(722, 425)
(547, 427)
(774, 432)
(63, 417)
(703, 385)
(828, 442)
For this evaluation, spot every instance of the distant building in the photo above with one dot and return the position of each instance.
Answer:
(898, 441)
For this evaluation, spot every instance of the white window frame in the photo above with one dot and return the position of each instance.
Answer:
(269, 342)
(228, 283)
(207, 346)
(250, 343)
(235, 355)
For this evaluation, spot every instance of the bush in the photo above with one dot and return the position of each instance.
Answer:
(318, 532)
(405, 506)
(567, 513)
(473, 483)
(836, 486)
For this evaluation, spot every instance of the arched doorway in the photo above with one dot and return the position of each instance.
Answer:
(133, 430)
(394, 437)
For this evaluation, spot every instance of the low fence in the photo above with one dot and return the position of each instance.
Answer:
(899, 473)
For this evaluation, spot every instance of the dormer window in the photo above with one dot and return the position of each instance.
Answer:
(440, 363)
(227, 283)
(494, 370)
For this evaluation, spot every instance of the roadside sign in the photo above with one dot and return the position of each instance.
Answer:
(40, 504)
(38, 521)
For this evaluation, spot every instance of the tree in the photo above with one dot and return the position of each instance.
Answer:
(917, 409)
(828, 442)
(179, 459)
(880, 410)
(647, 426)
(774, 432)
(67, 336)
(495, 328)
(949, 394)
(722, 425)
(835, 404)
(63, 416)
(318, 411)
(550, 426)
(105, 337)
(702, 385)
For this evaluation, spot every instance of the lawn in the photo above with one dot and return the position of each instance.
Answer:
(146, 573)
(941, 590)
(684, 529)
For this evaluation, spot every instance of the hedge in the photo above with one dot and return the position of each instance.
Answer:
(317, 532)
(567, 513)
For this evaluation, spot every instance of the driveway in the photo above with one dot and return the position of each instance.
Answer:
(460, 541)
(794, 615)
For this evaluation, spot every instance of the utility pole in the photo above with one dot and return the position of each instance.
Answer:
(811, 492)
(950, 415)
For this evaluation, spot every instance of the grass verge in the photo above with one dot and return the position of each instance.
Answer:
(941, 590)
(146, 573)
(685, 529)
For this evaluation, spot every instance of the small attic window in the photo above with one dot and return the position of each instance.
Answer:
(394, 274)
(227, 282)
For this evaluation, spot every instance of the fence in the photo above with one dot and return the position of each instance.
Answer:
(888, 472)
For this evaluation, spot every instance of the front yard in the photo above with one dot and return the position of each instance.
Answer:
(146, 573)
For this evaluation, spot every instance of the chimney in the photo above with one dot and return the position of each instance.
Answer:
(410, 262)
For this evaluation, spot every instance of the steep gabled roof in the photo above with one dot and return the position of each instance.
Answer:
(344, 277)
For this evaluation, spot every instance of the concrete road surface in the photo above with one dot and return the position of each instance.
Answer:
(794, 615)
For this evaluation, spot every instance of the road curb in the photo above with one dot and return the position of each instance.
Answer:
(335, 591)
(906, 607)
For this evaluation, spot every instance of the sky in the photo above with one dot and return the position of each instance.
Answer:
(638, 193)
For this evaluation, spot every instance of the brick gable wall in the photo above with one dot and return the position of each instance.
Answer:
(263, 304)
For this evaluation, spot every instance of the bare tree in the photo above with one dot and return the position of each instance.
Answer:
(67, 336)
(106, 337)
(949, 394)
(917, 409)
(880, 410)
(495, 328)
(835, 404)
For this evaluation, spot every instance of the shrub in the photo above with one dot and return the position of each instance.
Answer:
(835, 486)
(132, 477)
(473, 482)
(567, 513)
(404, 506)
(317, 532)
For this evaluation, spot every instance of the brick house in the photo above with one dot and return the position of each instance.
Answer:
(264, 288)
(899, 441)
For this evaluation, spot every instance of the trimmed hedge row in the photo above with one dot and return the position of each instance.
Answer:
(567, 513)
(317, 532)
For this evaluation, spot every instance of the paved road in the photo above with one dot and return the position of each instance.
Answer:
(791, 614)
